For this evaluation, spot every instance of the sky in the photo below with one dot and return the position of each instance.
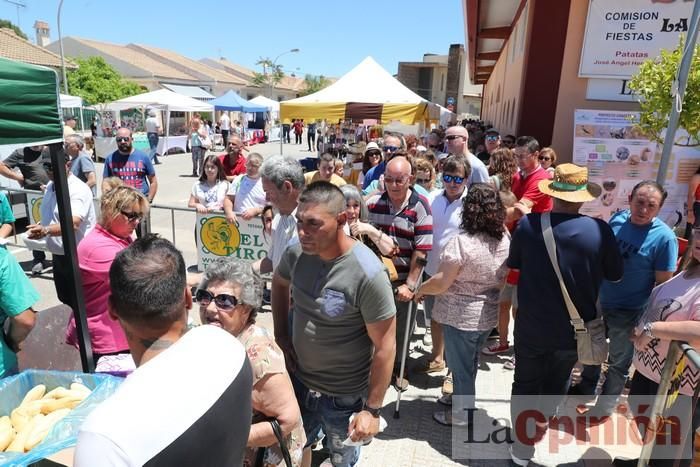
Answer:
(331, 40)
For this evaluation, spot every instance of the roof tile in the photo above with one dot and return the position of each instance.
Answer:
(14, 47)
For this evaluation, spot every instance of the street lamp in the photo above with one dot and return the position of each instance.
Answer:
(273, 67)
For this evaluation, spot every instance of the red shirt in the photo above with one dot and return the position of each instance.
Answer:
(231, 170)
(527, 188)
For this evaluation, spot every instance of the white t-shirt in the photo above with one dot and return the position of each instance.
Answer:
(225, 122)
(248, 193)
(284, 234)
(152, 125)
(210, 196)
(81, 205)
(183, 407)
(446, 220)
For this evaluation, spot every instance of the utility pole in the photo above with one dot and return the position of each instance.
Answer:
(19, 4)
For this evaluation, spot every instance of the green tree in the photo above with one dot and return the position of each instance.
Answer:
(4, 23)
(314, 84)
(654, 83)
(97, 82)
(271, 76)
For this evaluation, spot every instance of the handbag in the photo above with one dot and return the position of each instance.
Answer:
(386, 260)
(205, 142)
(260, 458)
(591, 344)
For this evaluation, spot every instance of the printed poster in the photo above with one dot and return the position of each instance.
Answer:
(217, 239)
(618, 156)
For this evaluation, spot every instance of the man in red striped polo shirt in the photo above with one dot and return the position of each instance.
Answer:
(404, 216)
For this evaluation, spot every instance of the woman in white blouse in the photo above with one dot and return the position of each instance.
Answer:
(209, 192)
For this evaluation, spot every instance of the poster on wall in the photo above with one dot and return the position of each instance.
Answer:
(217, 239)
(618, 156)
(621, 34)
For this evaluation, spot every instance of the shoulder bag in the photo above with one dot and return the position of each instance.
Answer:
(283, 446)
(591, 345)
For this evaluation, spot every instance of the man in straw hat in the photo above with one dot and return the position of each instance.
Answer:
(545, 347)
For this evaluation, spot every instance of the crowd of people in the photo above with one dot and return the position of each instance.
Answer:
(346, 256)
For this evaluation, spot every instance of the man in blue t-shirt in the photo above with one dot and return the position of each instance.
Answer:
(132, 166)
(650, 250)
(545, 347)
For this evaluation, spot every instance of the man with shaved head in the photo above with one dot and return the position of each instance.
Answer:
(403, 215)
(343, 328)
(457, 137)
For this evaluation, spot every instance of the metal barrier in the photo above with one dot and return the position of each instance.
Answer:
(669, 385)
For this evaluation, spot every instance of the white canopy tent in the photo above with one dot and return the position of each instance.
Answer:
(72, 102)
(272, 105)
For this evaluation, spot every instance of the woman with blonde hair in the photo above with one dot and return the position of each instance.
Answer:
(547, 159)
(121, 210)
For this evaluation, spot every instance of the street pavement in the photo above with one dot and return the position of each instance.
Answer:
(414, 439)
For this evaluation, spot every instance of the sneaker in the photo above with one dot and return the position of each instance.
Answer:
(38, 268)
(510, 364)
(431, 367)
(494, 334)
(447, 386)
(495, 349)
(427, 338)
(444, 417)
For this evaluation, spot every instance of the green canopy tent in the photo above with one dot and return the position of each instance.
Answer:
(30, 116)
(29, 108)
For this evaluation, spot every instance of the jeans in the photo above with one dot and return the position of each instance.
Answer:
(330, 414)
(462, 350)
(311, 139)
(619, 324)
(197, 160)
(542, 374)
(153, 143)
(285, 132)
(224, 137)
(402, 309)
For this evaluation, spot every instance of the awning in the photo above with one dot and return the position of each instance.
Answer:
(194, 92)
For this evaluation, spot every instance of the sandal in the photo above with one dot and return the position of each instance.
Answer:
(447, 386)
(444, 417)
(431, 367)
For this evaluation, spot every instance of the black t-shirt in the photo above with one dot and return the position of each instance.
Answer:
(484, 157)
(587, 253)
(29, 163)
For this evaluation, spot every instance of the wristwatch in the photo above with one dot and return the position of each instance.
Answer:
(647, 330)
(374, 412)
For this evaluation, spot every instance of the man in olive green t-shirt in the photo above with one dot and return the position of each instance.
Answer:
(343, 339)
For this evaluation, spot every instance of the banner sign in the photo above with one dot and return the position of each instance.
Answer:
(217, 239)
(34, 207)
(622, 34)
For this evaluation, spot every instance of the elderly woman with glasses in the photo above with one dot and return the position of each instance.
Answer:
(121, 210)
(229, 296)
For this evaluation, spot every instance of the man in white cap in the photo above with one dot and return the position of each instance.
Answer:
(457, 137)
(545, 346)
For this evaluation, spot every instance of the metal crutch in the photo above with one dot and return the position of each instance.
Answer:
(404, 351)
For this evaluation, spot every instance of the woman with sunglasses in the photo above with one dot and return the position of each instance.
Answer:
(121, 210)
(229, 296)
(547, 160)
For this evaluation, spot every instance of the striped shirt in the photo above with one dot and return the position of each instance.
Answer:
(411, 227)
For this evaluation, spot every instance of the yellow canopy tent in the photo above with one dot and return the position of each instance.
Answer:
(367, 91)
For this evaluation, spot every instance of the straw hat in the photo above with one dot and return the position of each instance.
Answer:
(570, 183)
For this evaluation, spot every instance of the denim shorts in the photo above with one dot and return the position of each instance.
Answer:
(330, 415)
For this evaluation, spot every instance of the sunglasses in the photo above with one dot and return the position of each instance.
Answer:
(544, 158)
(132, 216)
(452, 178)
(374, 154)
(123, 139)
(222, 301)
(451, 137)
(492, 138)
(390, 148)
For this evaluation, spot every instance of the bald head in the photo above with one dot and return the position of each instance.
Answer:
(457, 130)
(457, 137)
(399, 165)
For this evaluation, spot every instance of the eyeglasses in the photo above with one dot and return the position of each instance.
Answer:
(132, 216)
(451, 137)
(395, 181)
(391, 148)
(544, 158)
(123, 139)
(422, 181)
(222, 301)
(452, 178)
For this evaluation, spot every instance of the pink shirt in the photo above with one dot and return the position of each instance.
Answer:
(95, 255)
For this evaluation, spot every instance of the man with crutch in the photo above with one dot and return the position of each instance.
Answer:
(401, 214)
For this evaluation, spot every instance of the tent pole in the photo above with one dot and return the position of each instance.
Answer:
(75, 292)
